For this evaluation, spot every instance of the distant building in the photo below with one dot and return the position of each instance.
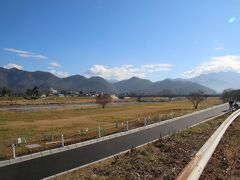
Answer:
(114, 97)
(43, 96)
(53, 92)
(73, 94)
(61, 95)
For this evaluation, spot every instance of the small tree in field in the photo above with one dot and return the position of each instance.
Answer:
(103, 99)
(35, 93)
(5, 92)
(196, 98)
(29, 92)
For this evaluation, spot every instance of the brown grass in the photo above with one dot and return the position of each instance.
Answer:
(33, 125)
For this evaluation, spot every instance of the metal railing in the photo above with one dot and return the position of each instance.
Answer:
(11, 148)
(196, 166)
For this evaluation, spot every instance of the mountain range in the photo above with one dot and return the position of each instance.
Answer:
(219, 81)
(167, 86)
(18, 81)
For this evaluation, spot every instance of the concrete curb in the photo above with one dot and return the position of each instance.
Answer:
(104, 138)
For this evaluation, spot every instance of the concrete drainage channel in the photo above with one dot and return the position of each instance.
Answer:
(196, 166)
(85, 143)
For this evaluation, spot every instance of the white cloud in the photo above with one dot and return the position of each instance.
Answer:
(16, 51)
(10, 66)
(32, 56)
(126, 71)
(218, 46)
(54, 70)
(61, 74)
(25, 54)
(54, 64)
(157, 67)
(216, 64)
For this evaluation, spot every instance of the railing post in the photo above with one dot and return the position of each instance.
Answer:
(13, 151)
(117, 125)
(62, 140)
(127, 125)
(99, 131)
(145, 121)
(159, 117)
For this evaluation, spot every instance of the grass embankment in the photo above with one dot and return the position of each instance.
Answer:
(165, 158)
(39, 126)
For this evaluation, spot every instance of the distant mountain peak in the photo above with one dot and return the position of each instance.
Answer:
(134, 77)
(15, 69)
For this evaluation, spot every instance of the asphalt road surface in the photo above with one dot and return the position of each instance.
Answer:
(52, 164)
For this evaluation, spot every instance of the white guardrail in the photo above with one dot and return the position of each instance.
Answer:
(85, 143)
(196, 166)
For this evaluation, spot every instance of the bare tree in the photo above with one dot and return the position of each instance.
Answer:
(103, 99)
(196, 98)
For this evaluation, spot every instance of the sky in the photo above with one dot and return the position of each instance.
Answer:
(116, 40)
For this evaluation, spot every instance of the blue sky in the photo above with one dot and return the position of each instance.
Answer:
(119, 39)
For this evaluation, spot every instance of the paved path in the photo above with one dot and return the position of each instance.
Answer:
(52, 164)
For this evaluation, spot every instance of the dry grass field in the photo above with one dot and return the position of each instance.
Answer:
(34, 125)
(48, 100)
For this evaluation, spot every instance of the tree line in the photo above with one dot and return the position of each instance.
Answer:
(104, 99)
(231, 95)
(33, 93)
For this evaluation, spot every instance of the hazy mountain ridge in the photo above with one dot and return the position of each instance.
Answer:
(175, 86)
(19, 81)
(219, 81)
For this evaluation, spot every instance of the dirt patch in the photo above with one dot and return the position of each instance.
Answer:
(166, 158)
